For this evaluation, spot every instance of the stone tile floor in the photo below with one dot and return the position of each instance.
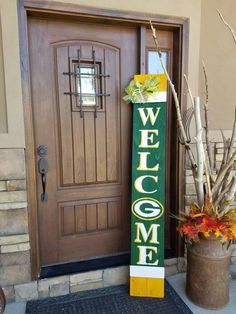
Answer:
(178, 283)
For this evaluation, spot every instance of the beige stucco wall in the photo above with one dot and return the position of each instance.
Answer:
(11, 61)
(206, 31)
(3, 109)
(219, 54)
(172, 8)
(10, 42)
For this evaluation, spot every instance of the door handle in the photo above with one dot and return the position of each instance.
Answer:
(43, 170)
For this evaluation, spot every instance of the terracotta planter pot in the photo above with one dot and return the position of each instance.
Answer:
(207, 283)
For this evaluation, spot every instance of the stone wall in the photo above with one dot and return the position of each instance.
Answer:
(14, 238)
(190, 193)
(63, 285)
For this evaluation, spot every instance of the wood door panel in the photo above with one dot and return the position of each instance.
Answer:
(89, 193)
(89, 158)
(68, 220)
(64, 113)
(112, 121)
(89, 147)
(102, 216)
(94, 244)
(114, 219)
(101, 148)
(80, 219)
(78, 147)
(96, 221)
(89, 216)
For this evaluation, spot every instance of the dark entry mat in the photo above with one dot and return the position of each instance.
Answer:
(111, 300)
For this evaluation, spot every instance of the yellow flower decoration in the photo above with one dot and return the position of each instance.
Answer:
(217, 233)
(233, 230)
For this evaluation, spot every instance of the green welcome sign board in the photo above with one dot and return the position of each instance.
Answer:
(148, 194)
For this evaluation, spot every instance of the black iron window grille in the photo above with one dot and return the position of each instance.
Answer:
(88, 87)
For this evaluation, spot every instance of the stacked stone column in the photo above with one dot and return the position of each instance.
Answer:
(14, 238)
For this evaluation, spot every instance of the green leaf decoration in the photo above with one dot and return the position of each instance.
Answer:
(230, 216)
(141, 92)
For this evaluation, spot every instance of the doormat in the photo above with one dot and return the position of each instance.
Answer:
(111, 300)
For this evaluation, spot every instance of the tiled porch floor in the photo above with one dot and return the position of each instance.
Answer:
(178, 283)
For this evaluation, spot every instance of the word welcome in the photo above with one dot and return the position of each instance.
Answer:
(146, 183)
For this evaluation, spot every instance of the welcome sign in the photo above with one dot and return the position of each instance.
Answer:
(148, 194)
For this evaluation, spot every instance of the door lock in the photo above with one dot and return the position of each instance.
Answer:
(42, 150)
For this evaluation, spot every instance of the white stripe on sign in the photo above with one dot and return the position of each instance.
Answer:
(158, 97)
(147, 271)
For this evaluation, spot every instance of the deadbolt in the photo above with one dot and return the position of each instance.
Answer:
(42, 150)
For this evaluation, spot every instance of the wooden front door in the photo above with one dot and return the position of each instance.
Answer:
(88, 152)
(86, 127)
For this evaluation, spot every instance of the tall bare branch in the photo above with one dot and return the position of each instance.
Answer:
(231, 144)
(229, 196)
(200, 152)
(208, 145)
(223, 172)
(206, 83)
(232, 140)
(208, 185)
(229, 152)
(210, 173)
(225, 150)
(228, 26)
(222, 184)
(221, 195)
(189, 90)
(176, 101)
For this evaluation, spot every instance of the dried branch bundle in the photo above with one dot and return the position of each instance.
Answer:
(220, 191)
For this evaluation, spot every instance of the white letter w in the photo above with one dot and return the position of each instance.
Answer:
(149, 114)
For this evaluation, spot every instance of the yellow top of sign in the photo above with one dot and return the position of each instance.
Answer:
(162, 80)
